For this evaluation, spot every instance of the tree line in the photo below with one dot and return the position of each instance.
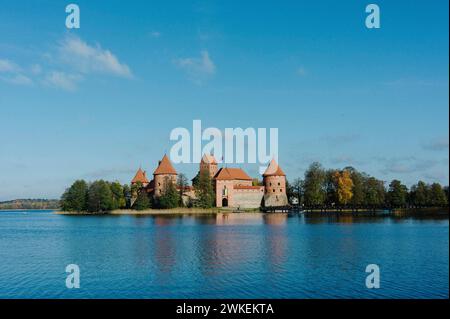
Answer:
(103, 196)
(320, 188)
(349, 188)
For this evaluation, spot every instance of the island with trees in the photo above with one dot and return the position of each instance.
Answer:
(320, 190)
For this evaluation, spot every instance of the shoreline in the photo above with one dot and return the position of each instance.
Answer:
(432, 211)
(175, 211)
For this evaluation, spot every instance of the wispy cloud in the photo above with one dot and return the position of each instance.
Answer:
(198, 69)
(437, 144)
(71, 62)
(7, 66)
(62, 80)
(12, 73)
(91, 59)
(405, 165)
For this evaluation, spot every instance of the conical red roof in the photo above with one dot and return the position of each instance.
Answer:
(140, 177)
(165, 167)
(274, 169)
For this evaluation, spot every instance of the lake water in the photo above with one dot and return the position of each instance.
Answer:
(224, 256)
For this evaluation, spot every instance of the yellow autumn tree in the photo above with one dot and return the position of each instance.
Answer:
(344, 186)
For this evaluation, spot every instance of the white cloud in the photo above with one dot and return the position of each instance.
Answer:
(36, 69)
(198, 69)
(11, 73)
(70, 64)
(7, 66)
(91, 59)
(62, 80)
(20, 79)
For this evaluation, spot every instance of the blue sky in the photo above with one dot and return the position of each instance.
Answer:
(100, 101)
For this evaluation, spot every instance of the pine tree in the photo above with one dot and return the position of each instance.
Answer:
(204, 191)
(170, 197)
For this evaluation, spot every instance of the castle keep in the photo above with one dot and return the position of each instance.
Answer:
(232, 186)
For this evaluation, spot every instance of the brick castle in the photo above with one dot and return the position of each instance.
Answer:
(232, 186)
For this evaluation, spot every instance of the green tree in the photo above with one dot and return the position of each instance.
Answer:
(397, 194)
(142, 201)
(135, 189)
(374, 192)
(170, 197)
(127, 195)
(75, 197)
(100, 197)
(358, 180)
(204, 191)
(195, 180)
(182, 183)
(419, 194)
(331, 187)
(314, 185)
(297, 190)
(437, 195)
(118, 197)
(446, 191)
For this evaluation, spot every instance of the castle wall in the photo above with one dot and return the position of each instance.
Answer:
(244, 199)
(224, 189)
(278, 200)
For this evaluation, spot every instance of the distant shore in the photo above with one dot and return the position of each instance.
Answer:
(25, 209)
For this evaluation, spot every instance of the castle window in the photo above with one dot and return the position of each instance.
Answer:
(281, 190)
(270, 184)
(274, 191)
(279, 184)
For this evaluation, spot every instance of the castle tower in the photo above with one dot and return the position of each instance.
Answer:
(164, 172)
(140, 177)
(274, 180)
(209, 163)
